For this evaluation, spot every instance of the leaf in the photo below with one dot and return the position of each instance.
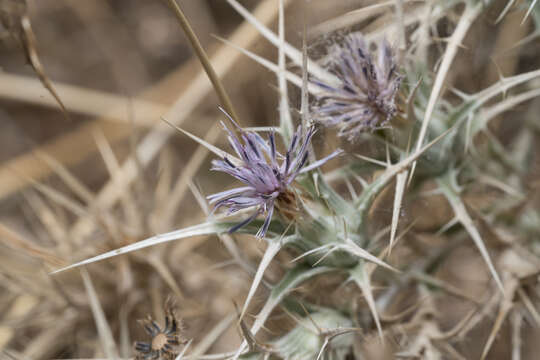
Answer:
(467, 18)
(528, 11)
(293, 78)
(362, 279)
(464, 218)
(319, 189)
(312, 335)
(368, 194)
(500, 107)
(290, 281)
(294, 54)
(201, 229)
(273, 248)
(206, 144)
(401, 181)
(354, 249)
(505, 10)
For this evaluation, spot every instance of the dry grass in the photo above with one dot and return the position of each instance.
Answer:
(448, 196)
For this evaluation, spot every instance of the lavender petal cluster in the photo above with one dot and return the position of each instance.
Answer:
(365, 99)
(266, 174)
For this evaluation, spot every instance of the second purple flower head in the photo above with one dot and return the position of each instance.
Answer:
(365, 98)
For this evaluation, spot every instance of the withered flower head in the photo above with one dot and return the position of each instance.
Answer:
(164, 341)
(266, 173)
(365, 99)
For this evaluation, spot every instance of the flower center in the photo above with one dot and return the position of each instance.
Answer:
(159, 341)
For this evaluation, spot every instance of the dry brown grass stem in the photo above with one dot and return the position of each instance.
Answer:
(188, 172)
(20, 307)
(223, 60)
(62, 147)
(203, 58)
(381, 9)
(106, 105)
(29, 41)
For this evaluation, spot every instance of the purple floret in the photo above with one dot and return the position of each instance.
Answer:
(365, 100)
(265, 172)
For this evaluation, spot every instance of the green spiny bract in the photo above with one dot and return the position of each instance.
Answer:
(324, 334)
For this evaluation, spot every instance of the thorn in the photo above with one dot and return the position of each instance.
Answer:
(502, 79)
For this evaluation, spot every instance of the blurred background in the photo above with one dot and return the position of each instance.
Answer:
(65, 194)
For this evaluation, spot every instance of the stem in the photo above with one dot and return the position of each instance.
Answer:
(203, 58)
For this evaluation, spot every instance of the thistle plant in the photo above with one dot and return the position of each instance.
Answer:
(269, 184)
(362, 257)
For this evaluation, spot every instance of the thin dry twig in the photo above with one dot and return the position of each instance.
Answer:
(203, 58)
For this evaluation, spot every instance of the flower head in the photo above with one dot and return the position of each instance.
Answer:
(266, 174)
(365, 99)
(165, 342)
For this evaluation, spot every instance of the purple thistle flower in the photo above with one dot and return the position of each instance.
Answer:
(366, 97)
(266, 173)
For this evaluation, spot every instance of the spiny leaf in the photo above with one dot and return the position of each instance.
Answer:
(201, 229)
(466, 20)
(502, 86)
(294, 54)
(401, 181)
(361, 278)
(293, 78)
(291, 280)
(528, 11)
(463, 217)
(369, 193)
(273, 248)
(206, 144)
(505, 10)
(312, 335)
(500, 107)
(354, 249)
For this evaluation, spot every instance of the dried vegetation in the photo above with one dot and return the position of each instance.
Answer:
(417, 236)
